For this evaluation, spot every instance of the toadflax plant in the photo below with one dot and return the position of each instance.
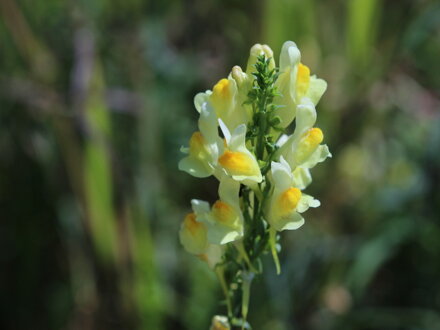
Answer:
(262, 172)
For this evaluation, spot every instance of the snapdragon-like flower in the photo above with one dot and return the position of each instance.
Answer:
(225, 220)
(287, 201)
(194, 235)
(262, 172)
(303, 149)
(237, 160)
(227, 98)
(295, 83)
(204, 145)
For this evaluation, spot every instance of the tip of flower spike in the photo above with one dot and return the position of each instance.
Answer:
(256, 51)
(259, 49)
(267, 51)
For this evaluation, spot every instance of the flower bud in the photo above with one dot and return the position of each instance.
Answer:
(239, 76)
(275, 121)
(256, 51)
(220, 322)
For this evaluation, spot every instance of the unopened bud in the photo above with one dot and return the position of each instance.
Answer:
(220, 322)
(256, 51)
(275, 121)
(239, 76)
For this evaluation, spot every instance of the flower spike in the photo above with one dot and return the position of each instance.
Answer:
(262, 171)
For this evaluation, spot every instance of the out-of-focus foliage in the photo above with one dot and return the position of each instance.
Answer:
(95, 102)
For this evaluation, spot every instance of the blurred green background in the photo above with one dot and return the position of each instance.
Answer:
(95, 102)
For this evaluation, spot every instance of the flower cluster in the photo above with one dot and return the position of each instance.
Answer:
(262, 172)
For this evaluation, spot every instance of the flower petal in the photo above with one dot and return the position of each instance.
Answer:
(220, 235)
(291, 222)
(201, 98)
(316, 89)
(193, 235)
(195, 167)
(208, 123)
(301, 177)
(306, 202)
(281, 174)
(305, 116)
(212, 255)
(318, 156)
(200, 207)
(225, 131)
(290, 55)
(238, 138)
(305, 119)
(229, 191)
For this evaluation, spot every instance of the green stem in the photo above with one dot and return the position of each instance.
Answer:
(261, 133)
(221, 277)
(240, 247)
(246, 289)
(272, 242)
(254, 198)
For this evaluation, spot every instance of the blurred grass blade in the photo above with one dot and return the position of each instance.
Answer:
(147, 288)
(97, 171)
(363, 20)
(374, 253)
(288, 20)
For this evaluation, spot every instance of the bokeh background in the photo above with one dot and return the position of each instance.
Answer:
(95, 102)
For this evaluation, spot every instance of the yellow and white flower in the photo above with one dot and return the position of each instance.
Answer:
(228, 157)
(193, 235)
(303, 149)
(229, 94)
(224, 222)
(237, 161)
(294, 83)
(287, 202)
(204, 145)
(227, 98)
